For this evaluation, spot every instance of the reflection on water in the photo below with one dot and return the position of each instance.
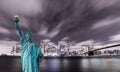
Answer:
(60, 65)
(81, 65)
(101, 65)
(12, 64)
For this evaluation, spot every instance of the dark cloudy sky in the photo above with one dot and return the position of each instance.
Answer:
(76, 21)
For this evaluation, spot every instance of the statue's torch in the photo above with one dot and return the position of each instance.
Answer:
(16, 18)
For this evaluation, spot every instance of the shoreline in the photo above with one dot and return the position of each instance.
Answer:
(103, 56)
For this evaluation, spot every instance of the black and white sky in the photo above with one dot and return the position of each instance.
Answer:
(75, 21)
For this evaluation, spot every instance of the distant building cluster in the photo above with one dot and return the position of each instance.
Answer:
(62, 48)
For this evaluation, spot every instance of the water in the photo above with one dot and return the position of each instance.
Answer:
(12, 64)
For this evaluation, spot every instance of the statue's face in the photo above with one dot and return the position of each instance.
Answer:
(28, 36)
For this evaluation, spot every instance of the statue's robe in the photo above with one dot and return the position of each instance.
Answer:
(31, 56)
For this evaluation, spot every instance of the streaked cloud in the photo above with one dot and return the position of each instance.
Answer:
(4, 30)
(106, 22)
(115, 37)
(28, 7)
(100, 4)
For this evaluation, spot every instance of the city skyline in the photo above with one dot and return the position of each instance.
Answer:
(61, 49)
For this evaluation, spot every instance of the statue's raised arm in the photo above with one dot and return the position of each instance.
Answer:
(16, 23)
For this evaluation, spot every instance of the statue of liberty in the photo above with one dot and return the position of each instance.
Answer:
(31, 54)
